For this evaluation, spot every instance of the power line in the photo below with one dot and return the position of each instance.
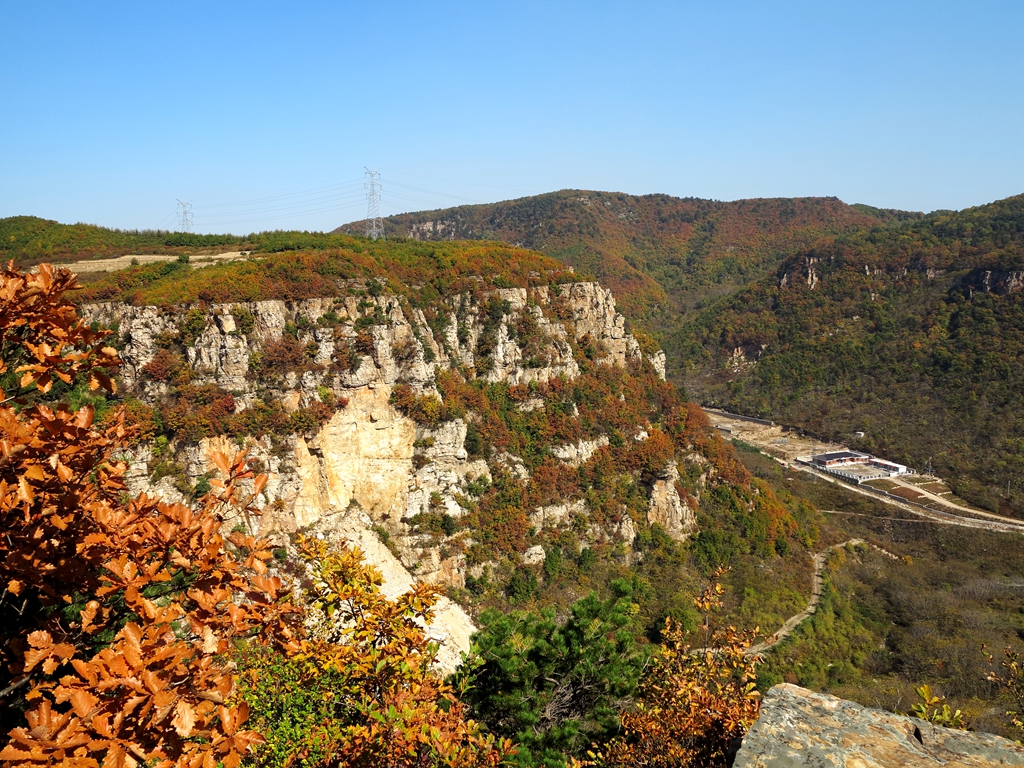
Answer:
(167, 219)
(329, 198)
(318, 202)
(374, 225)
(473, 201)
(246, 218)
(352, 184)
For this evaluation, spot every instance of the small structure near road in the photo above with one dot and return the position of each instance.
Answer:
(856, 467)
(892, 467)
(841, 459)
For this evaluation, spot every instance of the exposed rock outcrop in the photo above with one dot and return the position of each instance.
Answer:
(577, 454)
(557, 515)
(667, 509)
(594, 315)
(998, 281)
(800, 728)
(363, 454)
(370, 473)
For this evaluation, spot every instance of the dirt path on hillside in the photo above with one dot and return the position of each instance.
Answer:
(812, 605)
(123, 262)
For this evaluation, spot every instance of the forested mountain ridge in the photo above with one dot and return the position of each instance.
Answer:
(659, 254)
(913, 334)
(487, 361)
(477, 416)
(752, 301)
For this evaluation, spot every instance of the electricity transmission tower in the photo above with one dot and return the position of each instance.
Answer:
(374, 225)
(184, 217)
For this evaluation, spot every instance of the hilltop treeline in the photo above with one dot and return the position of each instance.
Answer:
(30, 240)
(659, 254)
(424, 271)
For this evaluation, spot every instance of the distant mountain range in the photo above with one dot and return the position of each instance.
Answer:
(835, 317)
(659, 254)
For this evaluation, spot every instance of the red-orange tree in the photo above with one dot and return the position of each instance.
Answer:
(116, 614)
(695, 704)
(119, 616)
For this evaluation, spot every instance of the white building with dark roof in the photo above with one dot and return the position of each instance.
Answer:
(841, 459)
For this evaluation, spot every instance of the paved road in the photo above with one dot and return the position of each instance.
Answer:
(990, 522)
(935, 498)
(792, 445)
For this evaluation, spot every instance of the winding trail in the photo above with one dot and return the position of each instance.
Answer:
(812, 605)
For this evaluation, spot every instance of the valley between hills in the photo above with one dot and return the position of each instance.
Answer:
(496, 401)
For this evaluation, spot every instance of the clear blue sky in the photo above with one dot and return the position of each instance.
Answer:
(263, 114)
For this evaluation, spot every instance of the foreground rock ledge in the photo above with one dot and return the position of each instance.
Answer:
(798, 727)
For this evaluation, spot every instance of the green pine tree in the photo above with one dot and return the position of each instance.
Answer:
(556, 688)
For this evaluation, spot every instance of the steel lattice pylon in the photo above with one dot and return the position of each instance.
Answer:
(374, 225)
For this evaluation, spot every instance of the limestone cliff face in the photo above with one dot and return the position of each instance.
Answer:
(362, 455)
(667, 509)
(367, 472)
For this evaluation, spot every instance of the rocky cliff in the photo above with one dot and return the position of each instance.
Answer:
(1001, 282)
(362, 467)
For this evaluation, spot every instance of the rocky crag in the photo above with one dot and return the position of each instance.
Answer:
(798, 727)
(364, 470)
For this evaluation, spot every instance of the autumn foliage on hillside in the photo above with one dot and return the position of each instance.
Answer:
(653, 251)
(120, 615)
(648, 427)
(423, 271)
(696, 702)
(116, 614)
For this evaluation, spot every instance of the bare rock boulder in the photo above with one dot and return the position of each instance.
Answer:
(798, 727)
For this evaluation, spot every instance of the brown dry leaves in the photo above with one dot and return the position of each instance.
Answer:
(695, 703)
(157, 579)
